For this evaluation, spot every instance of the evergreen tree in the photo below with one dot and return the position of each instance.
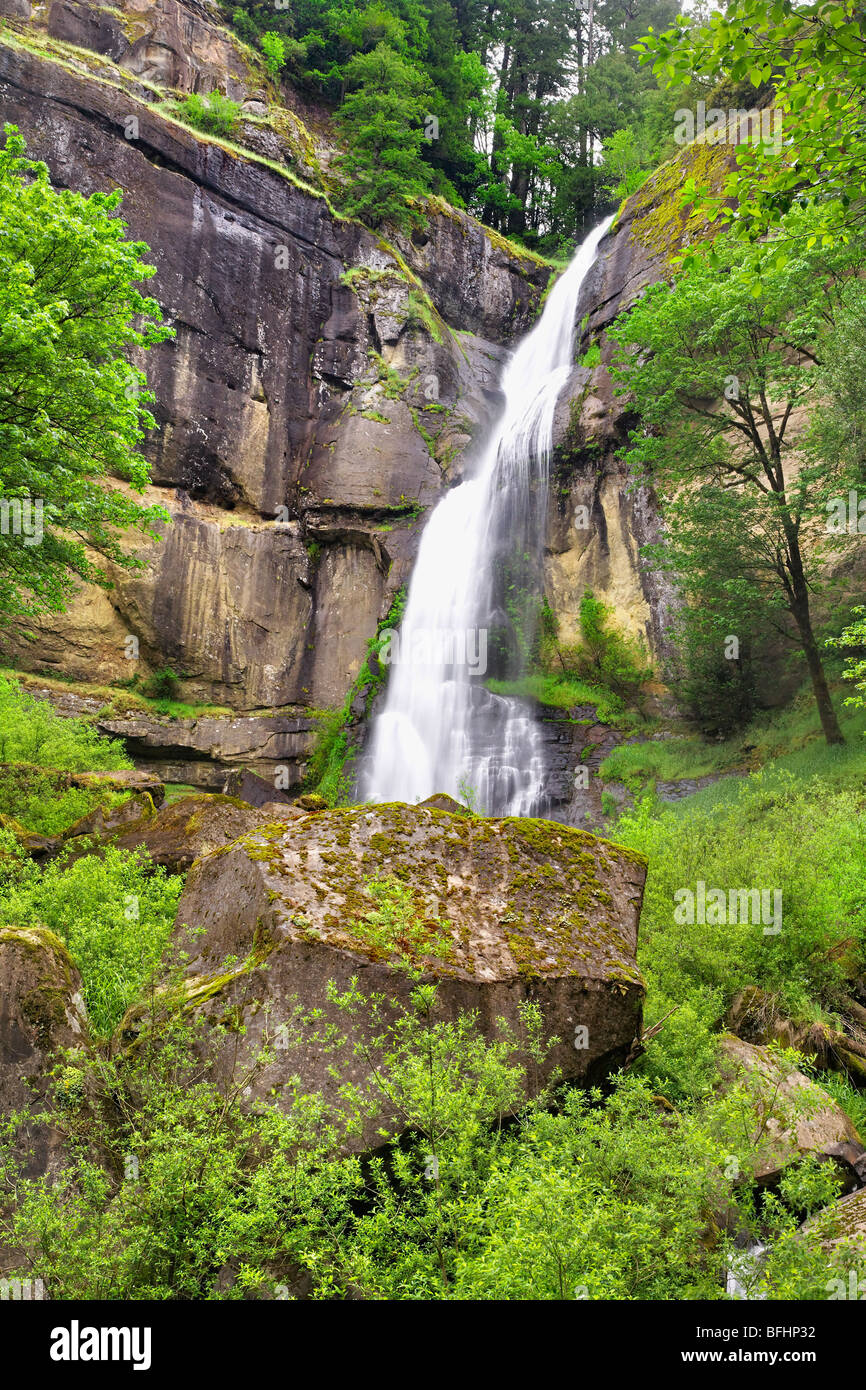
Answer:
(383, 120)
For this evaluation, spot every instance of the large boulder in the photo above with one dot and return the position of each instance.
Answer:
(502, 912)
(192, 826)
(798, 1117)
(41, 1012)
(843, 1225)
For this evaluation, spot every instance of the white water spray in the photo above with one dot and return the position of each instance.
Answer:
(441, 730)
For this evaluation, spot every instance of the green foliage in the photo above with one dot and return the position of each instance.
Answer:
(854, 637)
(214, 114)
(717, 374)
(32, 732)
(592, 356)
(801, 838)
(34, 800)
(161, 685)
(394, 931)
(625, 164)
(72, 408)
(274, 50)
(815, 58)
(606, 656)
(382, 120)
(562, 691)
(524, 94)
(580, 1199)
(114, 912)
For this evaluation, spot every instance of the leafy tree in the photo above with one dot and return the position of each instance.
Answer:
(718, 374)
(853, 642)
(383, 121)
(274, 50)
(72, 407)
(812, 58)
(624, 165)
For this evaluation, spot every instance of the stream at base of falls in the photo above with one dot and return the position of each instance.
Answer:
(477, 575)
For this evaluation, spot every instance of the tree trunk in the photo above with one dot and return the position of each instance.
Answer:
(799, 606)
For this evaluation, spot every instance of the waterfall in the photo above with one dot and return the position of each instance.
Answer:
(476, 577)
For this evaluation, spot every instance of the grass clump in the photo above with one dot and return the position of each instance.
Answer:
(214, 114)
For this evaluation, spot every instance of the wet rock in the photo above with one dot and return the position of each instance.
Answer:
(192, 826)
(137, 811)
(842, 1228)
(278, 421)
(254, 790)
(201, 752)
(125, 779)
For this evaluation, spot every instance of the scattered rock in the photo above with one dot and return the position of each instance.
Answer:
(105, 821)
(254, 790)
(132, 779)
(39, 847)
(799, 1117)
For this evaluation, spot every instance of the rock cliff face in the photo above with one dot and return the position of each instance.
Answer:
(596, 525)
(315, 395)
(323, 385)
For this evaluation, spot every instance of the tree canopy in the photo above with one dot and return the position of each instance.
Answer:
(72, 404)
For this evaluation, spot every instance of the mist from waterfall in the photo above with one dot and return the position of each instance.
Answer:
(441, 729)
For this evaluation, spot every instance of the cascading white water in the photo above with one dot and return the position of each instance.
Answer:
(441, 730)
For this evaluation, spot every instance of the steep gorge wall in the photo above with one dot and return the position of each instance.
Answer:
(307, 415)
(323, 386)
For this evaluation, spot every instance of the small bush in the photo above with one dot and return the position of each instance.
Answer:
(606, 656)
(32, 732)
(161, 685)
(216, 114)
(274, 50)
(114, 913)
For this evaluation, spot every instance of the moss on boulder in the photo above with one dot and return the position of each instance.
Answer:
(503, 911)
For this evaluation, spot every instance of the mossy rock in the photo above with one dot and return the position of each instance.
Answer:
(502, 912)
(194, 825)
(798, 1116)
(42, 1012)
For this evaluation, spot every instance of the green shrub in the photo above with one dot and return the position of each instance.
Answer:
(605, 654)
(161, 685)
(215, 114)
(805, 840)
(274, 49)
(114, 912)
(34, 799)
(32, 732)
(576, 1196)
